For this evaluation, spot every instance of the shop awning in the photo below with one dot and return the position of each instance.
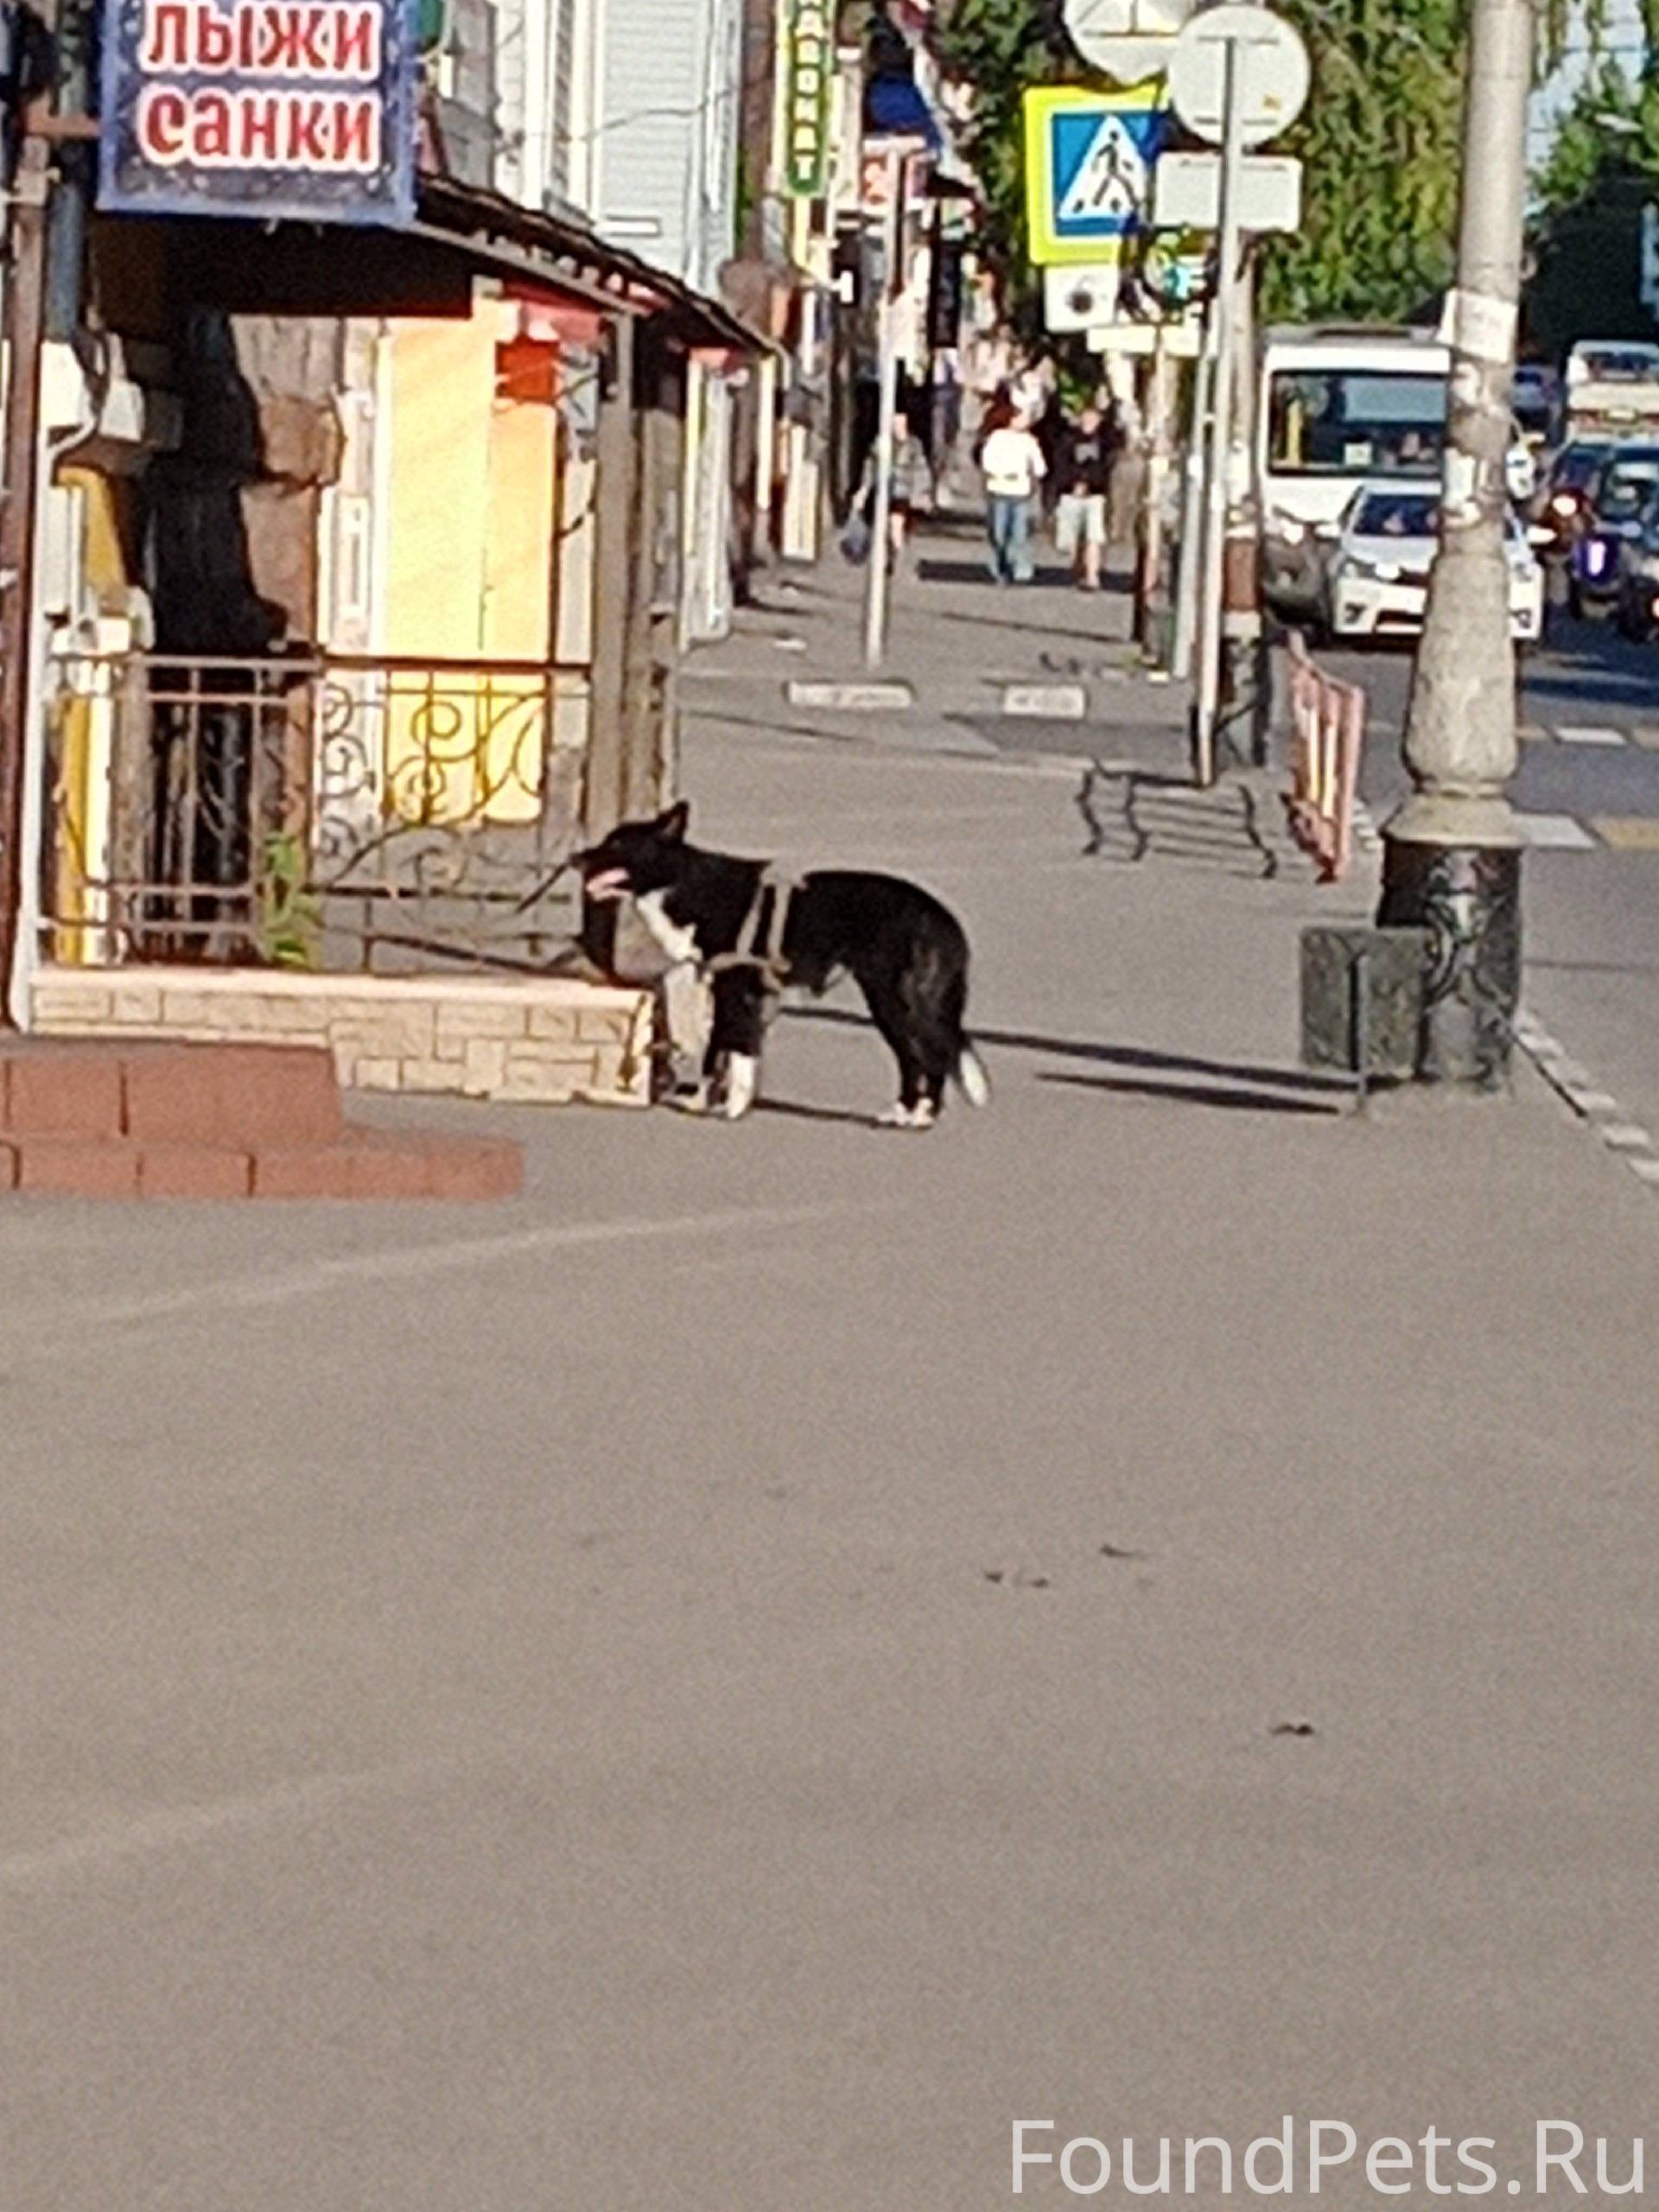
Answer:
(567, 255)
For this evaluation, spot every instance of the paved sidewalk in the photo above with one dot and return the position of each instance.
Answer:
(991, 669)
(729, 1682)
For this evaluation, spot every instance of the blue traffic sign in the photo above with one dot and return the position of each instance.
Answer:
(1089, 162)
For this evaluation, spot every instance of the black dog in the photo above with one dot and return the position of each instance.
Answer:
(754, 932)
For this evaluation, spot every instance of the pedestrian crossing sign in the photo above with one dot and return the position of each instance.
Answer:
(1089, 159)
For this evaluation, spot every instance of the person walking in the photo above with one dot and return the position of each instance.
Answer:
(1083, 477)
(1012, 464)
(908, 488)
(912, 485)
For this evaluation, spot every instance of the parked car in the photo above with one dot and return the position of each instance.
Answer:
(1614, 498)
(1613, 388)
(1638, 574)
(1565, 493)
(1378, 571)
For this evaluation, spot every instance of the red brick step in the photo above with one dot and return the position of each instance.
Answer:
(218, 1122)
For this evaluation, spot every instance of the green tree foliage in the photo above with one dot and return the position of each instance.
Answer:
(1587, 203)
(1611, 125)
(1001, 47)
(1379, 141)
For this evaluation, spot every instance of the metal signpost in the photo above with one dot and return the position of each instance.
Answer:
(896, 154)
(1215, 528)
(1192, 509)
(1239, 74)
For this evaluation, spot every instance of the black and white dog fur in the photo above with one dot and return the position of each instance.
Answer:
(907, 953)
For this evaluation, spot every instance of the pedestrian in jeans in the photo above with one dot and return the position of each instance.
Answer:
(912, 481)
(1085, 476)
(1012, 463)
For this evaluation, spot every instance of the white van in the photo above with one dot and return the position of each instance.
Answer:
(1338, 407)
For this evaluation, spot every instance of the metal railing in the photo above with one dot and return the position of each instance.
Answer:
(1327, 738)
(335, 810)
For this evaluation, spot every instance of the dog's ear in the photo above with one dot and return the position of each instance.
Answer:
(670, 827)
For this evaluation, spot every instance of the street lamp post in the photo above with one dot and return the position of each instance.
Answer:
(1452, 851)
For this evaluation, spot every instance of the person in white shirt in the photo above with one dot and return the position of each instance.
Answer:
(1012, 463)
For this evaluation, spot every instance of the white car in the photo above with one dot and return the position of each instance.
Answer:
(1377, 576)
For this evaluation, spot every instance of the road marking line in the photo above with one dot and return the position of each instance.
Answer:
(848, 698)
(171, 1828)
(1531, 733)
(1645, 733)
(1627, 1141)
(405, 1261)
(1589, 734)
(1628, 833)
(1050, 703)
(1554, 833)
(1625, 1136)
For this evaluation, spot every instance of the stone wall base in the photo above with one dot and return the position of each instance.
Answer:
(546, 1041)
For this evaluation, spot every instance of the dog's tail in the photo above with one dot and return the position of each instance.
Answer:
(970, 1072)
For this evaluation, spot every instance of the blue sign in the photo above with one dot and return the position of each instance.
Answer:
(303, 109)
(1102, 162)
(1089, 162)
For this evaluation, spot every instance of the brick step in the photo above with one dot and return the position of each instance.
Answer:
(366, 1164)
(218, 1122)
(235, 1096)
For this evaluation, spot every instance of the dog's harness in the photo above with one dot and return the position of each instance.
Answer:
(760, 941)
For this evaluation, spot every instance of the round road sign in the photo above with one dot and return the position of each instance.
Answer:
(1271, 71)
(1128, 40)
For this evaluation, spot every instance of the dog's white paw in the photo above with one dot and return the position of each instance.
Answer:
(693, 1099)
(922, 1115)
(742, 1078)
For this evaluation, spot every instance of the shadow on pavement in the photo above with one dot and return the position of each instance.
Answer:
(791, 1110)
(932, 572)
(1228, 1097)
(1133, 814)
(1116, 1055)
(1593, 967)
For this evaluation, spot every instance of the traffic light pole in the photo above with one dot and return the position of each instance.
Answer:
(1452, 851)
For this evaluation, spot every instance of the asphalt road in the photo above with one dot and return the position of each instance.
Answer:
(1588, 791)
(722, 1684)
